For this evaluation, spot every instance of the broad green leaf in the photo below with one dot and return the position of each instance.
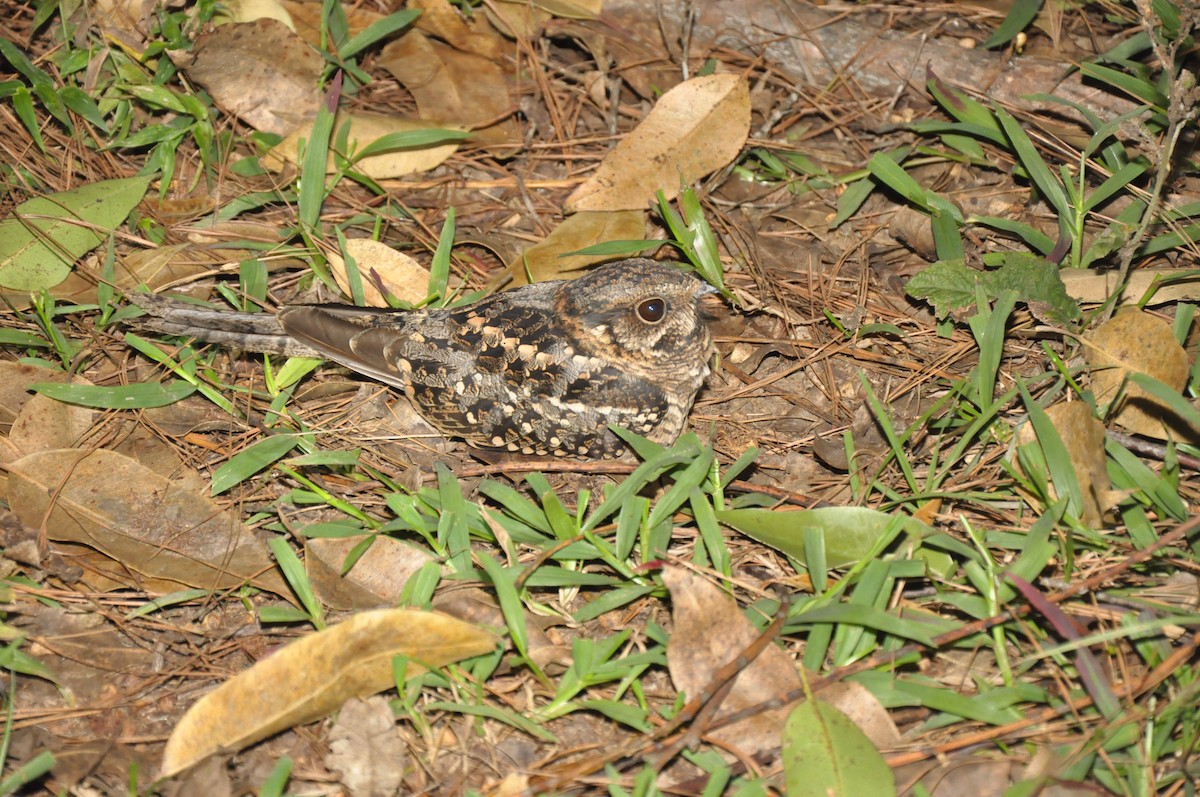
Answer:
(851, 532)
(44, 237)
(826, 755)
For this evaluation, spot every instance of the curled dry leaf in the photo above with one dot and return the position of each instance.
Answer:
(138, 518)
(455, 86)
(400, 275)
(709, 631)
(1134, 341)
(523, 19)
(1083, 436)
(313, 676)
(365, 129)
(544, 261)
(695, 128)
(259, 71)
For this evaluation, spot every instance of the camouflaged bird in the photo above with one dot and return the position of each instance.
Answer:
(539, 369)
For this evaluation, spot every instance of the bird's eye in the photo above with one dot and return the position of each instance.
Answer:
(652, 310)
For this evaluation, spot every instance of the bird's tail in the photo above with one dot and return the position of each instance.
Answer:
(248, 331)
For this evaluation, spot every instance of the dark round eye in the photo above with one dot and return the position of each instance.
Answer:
(652, 310)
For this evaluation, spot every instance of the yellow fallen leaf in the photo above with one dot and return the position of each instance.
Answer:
(1134, 341)
(311, 677)
(403, 277)
(366, 129)
(1083, 437)
(457, 86)
(544, 260)
(695, 128)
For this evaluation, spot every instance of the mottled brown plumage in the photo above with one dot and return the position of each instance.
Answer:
(540, 369)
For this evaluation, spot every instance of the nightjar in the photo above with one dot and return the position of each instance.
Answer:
(539, 369)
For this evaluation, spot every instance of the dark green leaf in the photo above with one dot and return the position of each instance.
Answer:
(1019, 16)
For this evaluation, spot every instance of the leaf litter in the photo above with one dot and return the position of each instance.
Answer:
(910, 405)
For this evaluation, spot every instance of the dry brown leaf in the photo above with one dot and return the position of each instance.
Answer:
(476, 606)
(1134, 341)
(864, 710)
(259, 71)
(15, 379)
(643, 65)
(99, 573)
(1097, 285)
(542, 261)
(376, 579)
(569, 9)
(307, 18)
(709, 631)
(45, 423)
(1083, 436)
(455, 86)
(400, 275)
(139, 518)
(8, 453)
(365, 129)
(123, 21)
(229, 232)
(439, 18)
(365, 748)
(516, 20)
(695, 128)
(192, 414)
(311, 677)
(523, 19)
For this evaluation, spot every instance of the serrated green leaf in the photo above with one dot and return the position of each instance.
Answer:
(950, 285)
